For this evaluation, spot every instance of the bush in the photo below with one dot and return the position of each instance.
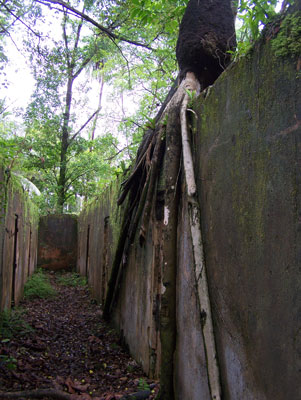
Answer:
(39, 286)
(13, 324)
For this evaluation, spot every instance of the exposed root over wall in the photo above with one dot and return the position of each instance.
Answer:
(159, 159)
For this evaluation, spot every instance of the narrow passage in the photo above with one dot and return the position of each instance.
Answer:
(70, 349)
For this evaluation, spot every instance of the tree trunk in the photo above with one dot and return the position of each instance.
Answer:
(194, 211)
(64, 146)
(169, 253)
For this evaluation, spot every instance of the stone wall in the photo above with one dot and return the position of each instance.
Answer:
(57, 246)
(247, 144)
(18, 240)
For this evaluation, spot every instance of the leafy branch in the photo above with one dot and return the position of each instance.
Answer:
(85, 17)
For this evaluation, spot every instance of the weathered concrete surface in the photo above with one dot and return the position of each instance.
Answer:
(247, 149)
(18, 240)
(137, 311)
(248, 156)
(97, 235)
(57, 246)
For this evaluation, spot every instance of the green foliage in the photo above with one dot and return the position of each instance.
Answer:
(10, 141)
(65, 161)
(76, 60)
(9, 362)
(287, 43)
(253, 15)
(38, 286)
(12, 324)
(71, 279)
(13, 15)
(143, 385)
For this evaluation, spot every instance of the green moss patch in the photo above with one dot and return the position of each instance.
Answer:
(288, 41)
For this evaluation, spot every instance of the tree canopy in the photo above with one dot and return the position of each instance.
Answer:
(102, 70)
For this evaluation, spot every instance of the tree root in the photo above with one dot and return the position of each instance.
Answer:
(141, 189)
(156, 162)
(198, 251)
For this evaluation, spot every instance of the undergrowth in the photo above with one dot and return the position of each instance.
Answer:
(71, 279)
(39, 286)
(143, 385)
(8, 362)
(12, 324)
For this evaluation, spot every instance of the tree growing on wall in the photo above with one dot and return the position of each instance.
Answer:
(206, 38)
(206, 35)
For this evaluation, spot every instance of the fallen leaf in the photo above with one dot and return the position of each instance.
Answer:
(110, 396)
(85, 396)
(79, 387)
(69, 384)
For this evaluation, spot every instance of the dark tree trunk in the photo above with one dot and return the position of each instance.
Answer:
(169, 253)
(206, 34)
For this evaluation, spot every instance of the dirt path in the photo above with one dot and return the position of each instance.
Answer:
(70, 349)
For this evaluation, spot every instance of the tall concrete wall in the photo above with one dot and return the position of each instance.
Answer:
(18, 240)
(98, 228)
(248, 157)
(247, 143)
(57, 245)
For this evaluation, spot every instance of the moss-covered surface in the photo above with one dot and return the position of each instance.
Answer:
(248, 156)
(287, 42)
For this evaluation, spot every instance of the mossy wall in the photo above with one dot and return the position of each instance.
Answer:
(247, 149)
(18, 239)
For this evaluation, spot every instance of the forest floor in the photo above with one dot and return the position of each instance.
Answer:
(64, 345)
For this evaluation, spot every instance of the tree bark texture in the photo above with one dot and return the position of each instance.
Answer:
(169, 253)
(191, 84)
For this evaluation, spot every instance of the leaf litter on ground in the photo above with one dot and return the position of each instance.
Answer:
(69, 348)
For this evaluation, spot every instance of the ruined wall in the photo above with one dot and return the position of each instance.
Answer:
(247, 142)
(136, 312)
(18, 240)
(57, 246)
(98, 228)
(137, 309)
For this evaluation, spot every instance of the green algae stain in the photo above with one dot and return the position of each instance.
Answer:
(249, 191)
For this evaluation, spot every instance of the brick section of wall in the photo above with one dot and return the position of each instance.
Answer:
(57, 248)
